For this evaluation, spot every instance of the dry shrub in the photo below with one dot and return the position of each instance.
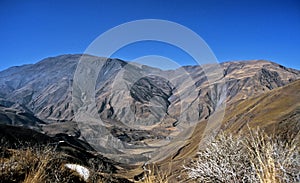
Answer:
(153, 175)
(43, 164)
(34, 165)
(256, 157)
(274, 159)
(154, 179)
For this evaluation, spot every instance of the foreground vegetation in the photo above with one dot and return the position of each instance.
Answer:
(34, 164)
(255, 157)
(43, 164)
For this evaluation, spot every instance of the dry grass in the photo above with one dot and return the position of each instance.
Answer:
(154, 179)
(34, 165)
(45, 165)
(275, 111)
(256, 157)
(274, 159)
(153, 175)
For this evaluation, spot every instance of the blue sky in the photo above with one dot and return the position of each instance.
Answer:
(235, 30)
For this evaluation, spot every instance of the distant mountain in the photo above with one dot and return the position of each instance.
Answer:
(16, 117)
(138, 104)
(45, 88)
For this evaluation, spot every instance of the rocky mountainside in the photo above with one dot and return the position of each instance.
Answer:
(136, 104)
(45, 88)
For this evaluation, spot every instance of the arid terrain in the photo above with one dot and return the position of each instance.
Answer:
(135, 123)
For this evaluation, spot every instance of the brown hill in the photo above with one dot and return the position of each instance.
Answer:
(277, 112)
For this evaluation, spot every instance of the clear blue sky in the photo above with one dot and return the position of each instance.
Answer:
(31, 30)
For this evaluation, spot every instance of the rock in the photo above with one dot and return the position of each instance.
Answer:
(82, 171)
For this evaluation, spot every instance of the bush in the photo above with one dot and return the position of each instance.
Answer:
(43, 164)
(34, 165)
(256, 157)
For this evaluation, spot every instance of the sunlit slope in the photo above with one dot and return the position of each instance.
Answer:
(276, 112)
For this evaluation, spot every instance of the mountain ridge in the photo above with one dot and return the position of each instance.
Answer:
(66, 63)
(138, 105)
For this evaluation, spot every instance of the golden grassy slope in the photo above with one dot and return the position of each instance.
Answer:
(276, 112)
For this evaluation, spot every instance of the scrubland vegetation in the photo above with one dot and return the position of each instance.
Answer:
(255, 157)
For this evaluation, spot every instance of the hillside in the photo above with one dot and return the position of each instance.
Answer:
(277, 112)
(133, 113)
(45, 88)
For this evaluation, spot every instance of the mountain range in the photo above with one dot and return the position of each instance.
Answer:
(134, 113)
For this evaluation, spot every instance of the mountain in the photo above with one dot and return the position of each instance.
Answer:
(276, 112)
(45, 88)
(42, 87)
(126, 110)
(18, 115)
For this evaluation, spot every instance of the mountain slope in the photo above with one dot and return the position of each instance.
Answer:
(139, 107)
(277, 112)
(46, 87)
(18, 115)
